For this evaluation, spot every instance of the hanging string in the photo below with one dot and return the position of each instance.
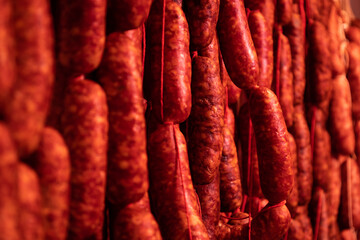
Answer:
(318, 214)
(182, 181)
(162, 62)
(249, 172)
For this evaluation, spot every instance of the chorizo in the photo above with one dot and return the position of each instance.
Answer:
(341, 125)
(263, 42)
(322, 156)
(171, 98)
(206, 121)
(230, 184)
(293, 199)
(357, 139)
(284, 11)
(236, 44)
(334, 188)
(52, 165)
(276, 176)
(301, 133)
(267, 9)
(303, 218)
(353, 75)
(121, 77)
(286, 91)
(9, 205)
(202, 16)
(29, 100)
(212, 51)
(295, 230)
(85, 130)
(230, 121)
(271, 223)
(253, 169)
(30, 217)
(135, 221)
(320, 69)
(318, 207)
(7, 57)
(209, 199)
(353, 34)
(349, 212)
(81, 37)
(173, 198)
(294, 31)
(124, 15)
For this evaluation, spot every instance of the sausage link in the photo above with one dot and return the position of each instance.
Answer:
(271, 224)
(30, 219)
(284, 11)
(171, 100)
(7, 57)
(53, 168)
(206, 121)
(266, 7)
(320, 69)
(202, 17)
(295, 230)
(209, 198)
(120, 75)
(293, 199)
(276, 176)
(353, 75)
(236, 44)
(9, 205)
(341, 124)
(286, 95)
(295, 34)
(263, 42)
(230, 183)
(334, 188)
(303, 218)
(29, 100)
(85, 129)
(135, 221)
(124, 15)
(304, 176)
(318, 206)
(81, 37)
(173, 198)
(353, 34)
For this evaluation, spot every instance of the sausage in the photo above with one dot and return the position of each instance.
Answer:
(353, 75)
(230, 183)
(229, 232)
(254, 164)
(341, 125)
(236, 45)
(353, 34)
(7, 58)
(85, 130)
(173, 198)
(322, 156)
(295, 230)
(357, 139)
(81, 37)
(206, 121)
(334, 188)
(262, 37)
(255, 205)
(303, 218)
(120, 75)
(293, 199)
(284, 11)
(29, 100)
(239, 218)
(209, 199)
(202, 17)
(230, 121)
(30, 219)
(276, 176)
(349, 212)
(318, 206)
(301, 133)
(212, 51)
(320, 69)
(286, 91)
(171, 99)
(9, 205)
(53, 168)
(334, 231)
(233, 92)
(348, 234)
(294, 31)
(124, 15)
(134, 221)
(267, 9)
(271, 223)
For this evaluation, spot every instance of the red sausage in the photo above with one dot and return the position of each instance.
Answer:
(53, 168)
(81, 37)
(9, 205)
(171, 99)
(262, 37)
(121, 76)
(29, 100)
(173, 198)
(236, 44)
(85, 129)
(276, 176)
(353, 75)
